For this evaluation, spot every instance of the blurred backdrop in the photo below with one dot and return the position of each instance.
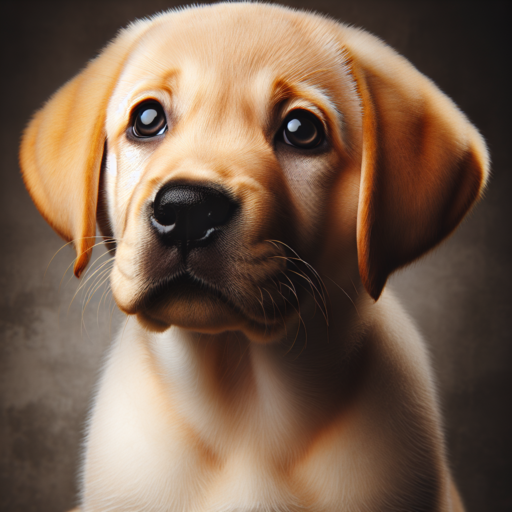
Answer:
(51, 351)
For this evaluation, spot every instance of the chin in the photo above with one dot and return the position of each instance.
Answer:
(205, 316)
(195, 314)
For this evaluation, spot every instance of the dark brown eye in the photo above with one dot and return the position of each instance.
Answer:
(149, 120)
(302, 129)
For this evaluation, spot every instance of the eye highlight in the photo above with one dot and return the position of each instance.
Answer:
(149, 120)
(302, 129)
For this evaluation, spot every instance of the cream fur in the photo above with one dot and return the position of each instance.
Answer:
(207, 405)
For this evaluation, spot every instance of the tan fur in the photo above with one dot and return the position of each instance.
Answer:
(255, 402)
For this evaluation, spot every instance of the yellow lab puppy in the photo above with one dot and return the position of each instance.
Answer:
(260, 172)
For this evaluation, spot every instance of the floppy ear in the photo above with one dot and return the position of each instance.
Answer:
(62, 147)
(423, 163)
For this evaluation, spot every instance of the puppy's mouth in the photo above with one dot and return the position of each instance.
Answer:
(190, 302)
(183, 286)
(263, 310)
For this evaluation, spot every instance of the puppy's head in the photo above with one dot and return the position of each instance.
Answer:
(223, 142)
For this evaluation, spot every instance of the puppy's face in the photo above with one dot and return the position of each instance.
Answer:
(228, 143)
(245, 146)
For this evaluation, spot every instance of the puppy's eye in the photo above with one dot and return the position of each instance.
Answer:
(302, 129)
(149, 120)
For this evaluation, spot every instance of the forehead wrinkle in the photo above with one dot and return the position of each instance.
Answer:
(283, 90)
(234, 44)
(212, 107)
(227, 40)
(133, 83)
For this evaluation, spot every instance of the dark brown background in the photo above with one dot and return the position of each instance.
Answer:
(460, 295)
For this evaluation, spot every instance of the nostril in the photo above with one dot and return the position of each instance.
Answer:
(213, 211)
(190, 212)
(164, 214)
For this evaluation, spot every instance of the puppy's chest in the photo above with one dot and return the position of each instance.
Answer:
(180, 477)
(149, 473)
(153, 448)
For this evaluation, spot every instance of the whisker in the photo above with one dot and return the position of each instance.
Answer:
(316, 274)
(86, 277)
(96, 288)
(53, 257)
(104, 266)
(87, 280)
(312, 285)
(318, 290)
(70, 242)
(74, 259)
(273, 302)
(106, 253)
(301, 321)
(102, 299)
(112, 306)
(323, 292)
(313, 289)
(300, 259)
(275, 306)
(310, 291)
(97, 283)
(100, 279)
(293, 289)
(348, 296)
(104, 296)
(278, 289)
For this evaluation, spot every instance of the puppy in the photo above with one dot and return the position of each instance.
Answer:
(259, 173)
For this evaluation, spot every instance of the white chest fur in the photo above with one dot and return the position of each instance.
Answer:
(180, 425)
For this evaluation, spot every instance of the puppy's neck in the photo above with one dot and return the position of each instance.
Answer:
(226, 385)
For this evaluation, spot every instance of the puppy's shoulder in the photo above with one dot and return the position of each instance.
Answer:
(394, 330)
(399, 367)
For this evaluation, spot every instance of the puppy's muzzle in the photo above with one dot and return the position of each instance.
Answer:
(189, 214)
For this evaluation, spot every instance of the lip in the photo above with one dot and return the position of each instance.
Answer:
(184, 286)
(181, 284)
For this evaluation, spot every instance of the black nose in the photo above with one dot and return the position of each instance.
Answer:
(190, 212)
